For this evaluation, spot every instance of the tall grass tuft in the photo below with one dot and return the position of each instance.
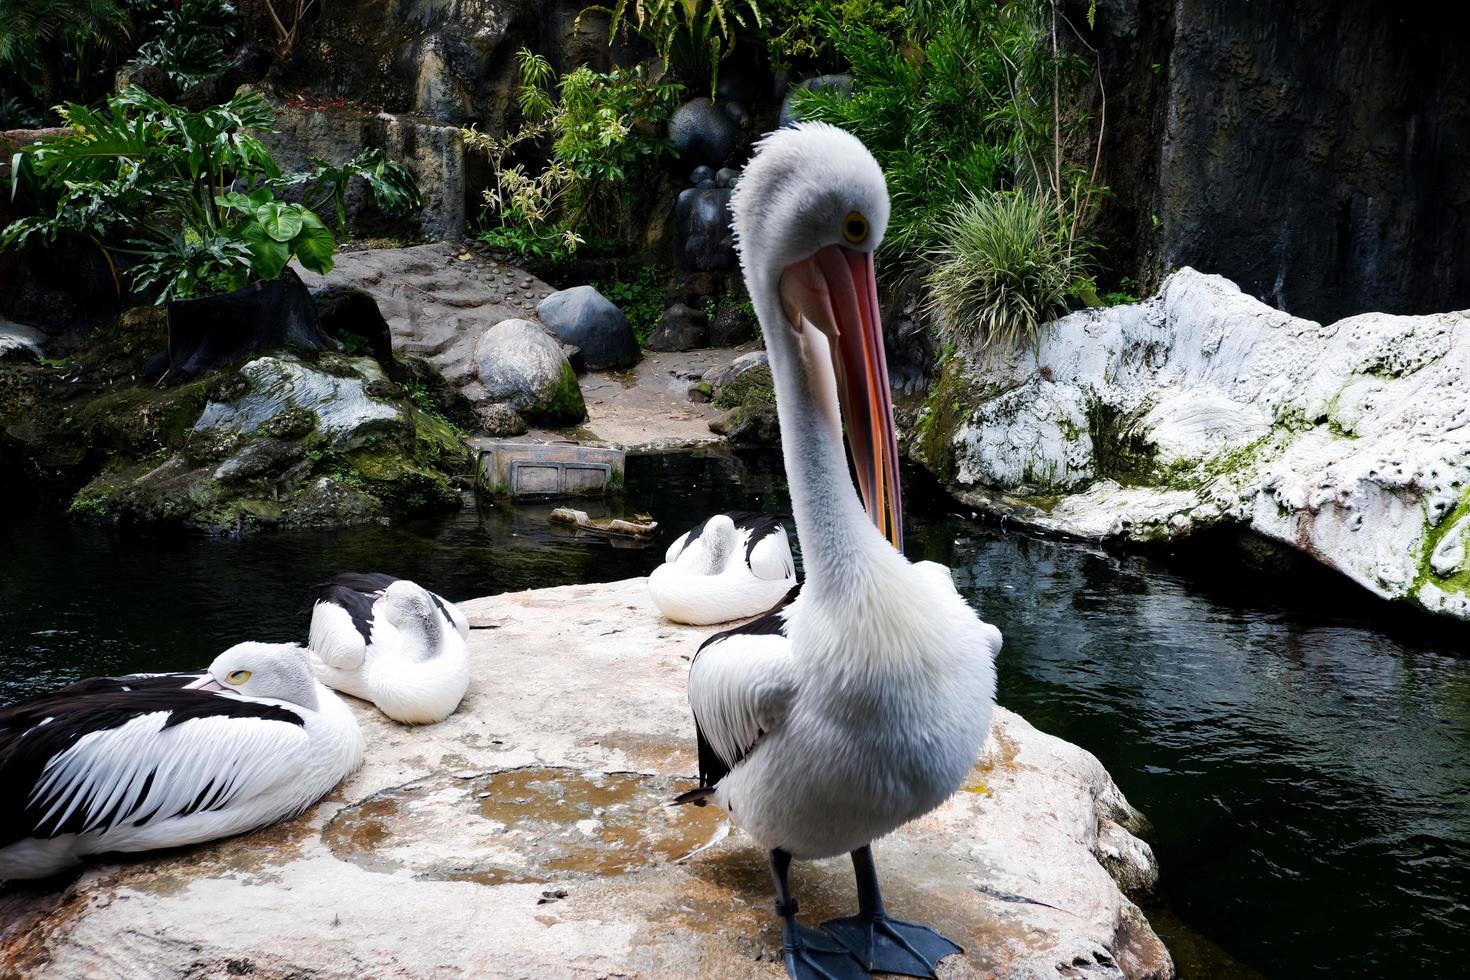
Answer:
(1002, 267)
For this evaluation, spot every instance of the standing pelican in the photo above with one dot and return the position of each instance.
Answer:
(862, 702)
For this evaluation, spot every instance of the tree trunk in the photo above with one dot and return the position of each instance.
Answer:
(50, 54)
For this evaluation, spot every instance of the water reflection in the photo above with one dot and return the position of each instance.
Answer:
(1305, 763)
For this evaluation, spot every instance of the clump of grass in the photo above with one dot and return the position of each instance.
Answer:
(1002, 267)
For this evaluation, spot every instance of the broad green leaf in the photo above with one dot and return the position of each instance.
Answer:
(281, 221)
(316, 245)
(270, 255)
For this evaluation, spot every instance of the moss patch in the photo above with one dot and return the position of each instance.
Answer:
(1118, 452)
(1434, 534)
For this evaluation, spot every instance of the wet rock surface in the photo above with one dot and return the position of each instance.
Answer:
(704, 134)
(438, 300)
(284, 443)
(524, 837)
(1274, 144)
(704, 241)
(584, 317)
(279, 441)
(1349, 441)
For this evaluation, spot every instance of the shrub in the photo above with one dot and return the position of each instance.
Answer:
(598, 132)
(960, 100)
(1002, 269)
(152, 181)
(641, 298)
(691, 36)
(189, 39)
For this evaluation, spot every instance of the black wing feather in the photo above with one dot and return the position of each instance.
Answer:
(94, 705)
(712, 768)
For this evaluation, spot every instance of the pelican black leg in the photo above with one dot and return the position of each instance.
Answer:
(882, 944)
(810, 955)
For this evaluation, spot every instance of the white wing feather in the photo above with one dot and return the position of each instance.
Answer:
(457, 618)
(770, 559)
(672, 555)
(141, 770)
(334, 639)
(740, 687)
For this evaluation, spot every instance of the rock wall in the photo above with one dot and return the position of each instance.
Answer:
(452, 61)
(1349, 441)
(1317, 153)
(432, 152)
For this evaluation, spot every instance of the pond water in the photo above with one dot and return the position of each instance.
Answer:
(1304, 757)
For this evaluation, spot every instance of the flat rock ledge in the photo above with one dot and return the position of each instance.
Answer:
(1349, 441)
(525, 837)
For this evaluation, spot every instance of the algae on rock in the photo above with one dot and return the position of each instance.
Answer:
(278, 441)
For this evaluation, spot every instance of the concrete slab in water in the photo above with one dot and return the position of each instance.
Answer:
(524, 469)
(524, 837)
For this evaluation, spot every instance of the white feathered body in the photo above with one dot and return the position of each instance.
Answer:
(410, 678)
(869, 712)
(234, 774)
(723, 575)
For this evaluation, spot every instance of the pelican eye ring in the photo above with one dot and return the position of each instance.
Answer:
(855, 227)
(238, 676)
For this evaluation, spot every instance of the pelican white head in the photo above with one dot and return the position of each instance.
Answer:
(809, 212)
(264, 670)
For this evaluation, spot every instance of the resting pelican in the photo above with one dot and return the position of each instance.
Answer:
(159, 760)
(391, 642)
(862, 702)
(729, 566)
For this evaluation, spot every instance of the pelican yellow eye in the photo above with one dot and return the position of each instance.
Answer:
(238, 676)
(854, 227)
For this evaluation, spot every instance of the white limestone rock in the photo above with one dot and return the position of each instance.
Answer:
(1201, 405)
(525, 837)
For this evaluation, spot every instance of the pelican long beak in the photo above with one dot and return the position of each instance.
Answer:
(206, 683)
(836, 290)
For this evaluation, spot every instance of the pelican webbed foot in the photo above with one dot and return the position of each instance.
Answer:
(881, 944)
(887, 945)
(810, 955)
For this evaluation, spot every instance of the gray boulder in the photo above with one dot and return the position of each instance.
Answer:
(703, 134)
(521, 365)
(501, 421)
(585, 318)
(720, 377)
(682, 328)
(822, 83)
(704, 240)
(733, 325)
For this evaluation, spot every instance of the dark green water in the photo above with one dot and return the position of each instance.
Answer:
(1304, 759)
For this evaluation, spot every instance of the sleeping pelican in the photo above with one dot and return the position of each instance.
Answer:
(159, 760)
(862, 702)
(391, 642)
(728, 567)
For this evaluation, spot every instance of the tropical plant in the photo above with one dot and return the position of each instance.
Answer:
(43, 32)
(932, 112)
(599, 133)
(1004, 267)
(691, 36)
(640, 297)
(189, 39)
(189, 197)
(959, 100)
